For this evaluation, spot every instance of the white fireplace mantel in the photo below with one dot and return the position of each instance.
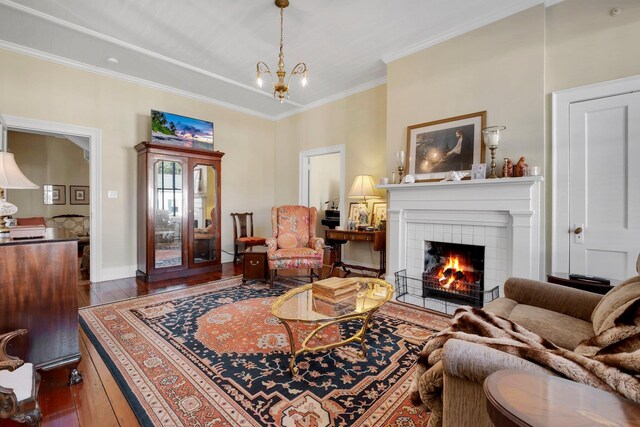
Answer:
(509, 209)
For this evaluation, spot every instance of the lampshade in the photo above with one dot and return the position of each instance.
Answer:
(363, 188)
(10, 174)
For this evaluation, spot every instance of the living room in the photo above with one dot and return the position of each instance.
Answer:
(509, 68)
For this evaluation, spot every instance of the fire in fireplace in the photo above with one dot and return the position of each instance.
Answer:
(453, 272)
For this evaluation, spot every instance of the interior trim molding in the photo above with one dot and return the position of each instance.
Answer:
(516, 7)
(560, 115)
(25, 124)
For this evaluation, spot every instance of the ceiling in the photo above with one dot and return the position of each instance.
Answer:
(208, 49)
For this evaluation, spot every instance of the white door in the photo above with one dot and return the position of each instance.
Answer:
(604, 186)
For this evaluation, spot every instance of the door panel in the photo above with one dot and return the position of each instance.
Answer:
(604, 186)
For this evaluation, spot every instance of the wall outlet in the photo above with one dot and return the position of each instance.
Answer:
(111, 194)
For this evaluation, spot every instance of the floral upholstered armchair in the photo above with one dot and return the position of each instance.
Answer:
(294, 244)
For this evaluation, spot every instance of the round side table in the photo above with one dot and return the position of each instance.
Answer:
(521, 398)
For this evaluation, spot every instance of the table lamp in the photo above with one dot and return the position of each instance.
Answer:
(10, 177)
(363, 188)
(492, 140)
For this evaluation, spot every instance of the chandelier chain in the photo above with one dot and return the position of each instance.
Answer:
(281, 27)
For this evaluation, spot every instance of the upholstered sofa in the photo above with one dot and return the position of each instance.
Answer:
(76, 224)
(562, 315)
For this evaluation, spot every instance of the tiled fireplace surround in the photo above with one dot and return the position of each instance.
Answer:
(503, 215)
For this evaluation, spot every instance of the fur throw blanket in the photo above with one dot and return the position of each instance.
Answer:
(609, 361)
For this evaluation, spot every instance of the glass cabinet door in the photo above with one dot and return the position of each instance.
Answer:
(205, 186)
(168, 213)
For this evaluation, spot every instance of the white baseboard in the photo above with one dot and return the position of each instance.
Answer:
(115, 273)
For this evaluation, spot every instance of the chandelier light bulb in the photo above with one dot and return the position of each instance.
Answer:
(304, 79)
(259, 81)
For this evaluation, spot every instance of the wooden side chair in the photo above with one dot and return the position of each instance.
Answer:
(243, 233)
(19, 384)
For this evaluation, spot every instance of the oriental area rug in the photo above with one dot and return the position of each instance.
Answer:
(214, 355)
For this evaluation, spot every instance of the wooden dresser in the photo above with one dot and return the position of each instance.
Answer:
(38, 292)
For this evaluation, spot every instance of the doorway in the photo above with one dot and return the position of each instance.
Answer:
(78, 134)
(596, 208)
(322, 175)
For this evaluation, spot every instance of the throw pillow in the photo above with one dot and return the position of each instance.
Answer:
(287, 241)
(614, 303)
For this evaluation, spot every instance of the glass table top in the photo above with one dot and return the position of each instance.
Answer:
(304, 305)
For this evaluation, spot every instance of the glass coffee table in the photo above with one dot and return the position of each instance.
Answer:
(301, 305)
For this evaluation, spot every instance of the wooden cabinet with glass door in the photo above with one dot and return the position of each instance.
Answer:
(178, 211)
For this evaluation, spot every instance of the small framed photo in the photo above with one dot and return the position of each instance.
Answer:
(379, 212)
(79, 194)
(362, 216)
(479, 171)
(54, 194)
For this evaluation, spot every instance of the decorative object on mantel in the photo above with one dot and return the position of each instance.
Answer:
(479, 171)
(441, 146)
(10, 177)
(280, 88)
(507, 168)
(492, 140)
(454, 176)
(408, 179)
(521, 168)
(400, 157)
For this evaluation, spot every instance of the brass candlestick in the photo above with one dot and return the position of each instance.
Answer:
(400, 173)
(492, 173)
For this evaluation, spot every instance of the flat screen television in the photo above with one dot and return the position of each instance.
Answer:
(173, 129)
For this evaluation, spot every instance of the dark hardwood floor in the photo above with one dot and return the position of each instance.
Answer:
(98, 401)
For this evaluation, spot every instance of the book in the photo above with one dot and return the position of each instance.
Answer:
(335, 286)
(27, 231)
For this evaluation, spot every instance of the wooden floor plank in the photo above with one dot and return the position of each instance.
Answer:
(118, 404)
(91, 400)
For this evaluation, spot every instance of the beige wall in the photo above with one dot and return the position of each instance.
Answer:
(358, 122)
(46, 91)
(498, 68)
(47, 160)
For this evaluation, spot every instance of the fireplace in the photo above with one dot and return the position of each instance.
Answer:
(453, 272)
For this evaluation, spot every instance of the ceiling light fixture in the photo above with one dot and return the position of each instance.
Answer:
(280, 88)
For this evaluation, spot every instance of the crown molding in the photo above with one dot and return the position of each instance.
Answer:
(125, 77)
(518, 6)
(336, 97)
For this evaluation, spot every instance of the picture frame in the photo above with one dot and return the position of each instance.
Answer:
(54, 194)
(441, 146)
(78, 194)
(479, 171)
(181, 131)
(379, 212)
(354, 213)
(197, 180)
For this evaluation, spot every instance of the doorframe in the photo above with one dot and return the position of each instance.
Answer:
(305, 156)
(560, 126)
(29, 125)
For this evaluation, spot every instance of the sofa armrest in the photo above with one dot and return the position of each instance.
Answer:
(272, 244)
(474, 362)
(561, 299)
(317, 244)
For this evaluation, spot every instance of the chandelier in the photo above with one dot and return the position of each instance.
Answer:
(280, 88)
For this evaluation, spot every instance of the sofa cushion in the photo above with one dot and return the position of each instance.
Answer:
(501, 307)
(614, 303)
(562, 330)
(287, 241)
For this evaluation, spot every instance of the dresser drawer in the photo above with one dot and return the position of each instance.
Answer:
(255, 266)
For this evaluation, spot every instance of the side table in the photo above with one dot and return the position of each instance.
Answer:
(254, 264)
(522, 398)
(585, 285)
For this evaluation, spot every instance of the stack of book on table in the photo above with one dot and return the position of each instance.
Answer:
(335, 289)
